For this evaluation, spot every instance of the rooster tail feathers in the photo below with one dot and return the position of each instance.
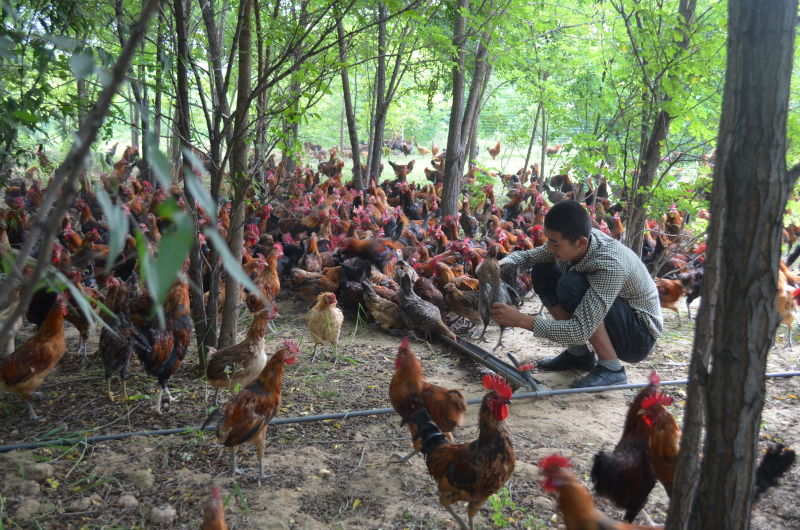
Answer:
(427, 432)
(777, 460)
(211, 417)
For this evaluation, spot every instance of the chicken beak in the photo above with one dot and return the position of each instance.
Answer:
(641, 412)
(508, 402)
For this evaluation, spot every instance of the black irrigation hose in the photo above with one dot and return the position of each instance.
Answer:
(340, 415)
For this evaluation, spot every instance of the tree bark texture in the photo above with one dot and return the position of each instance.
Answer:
(376, 145)
(650, 145)
(227, 332)
(352, 129)
(454, 160)
(533, 137)
(196, 302)
(751, 189)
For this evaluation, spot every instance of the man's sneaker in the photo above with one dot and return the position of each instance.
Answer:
(566, 361)
(601, 376)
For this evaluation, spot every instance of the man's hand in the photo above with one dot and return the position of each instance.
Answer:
(506, 315)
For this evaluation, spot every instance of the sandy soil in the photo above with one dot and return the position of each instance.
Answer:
(332, 474)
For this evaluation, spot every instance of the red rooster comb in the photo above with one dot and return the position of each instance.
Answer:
(796, 293)
(554, 461)
(291, 346)
(406, 342)
(657, 399)
(215, 493)
(654, 379)
(498, 384)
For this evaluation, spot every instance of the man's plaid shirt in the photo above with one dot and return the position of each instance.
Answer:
(612, 270)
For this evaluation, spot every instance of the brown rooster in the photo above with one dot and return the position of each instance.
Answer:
(409, 390)
(241, 363)
(669, 293)
(574, 501)
(117, 341)
(494, 151)
(245, 418)
(23, 371)
(464, 304)
(385, 312)
(626, 476)
(665, 437)
(165, 347)
(474, 471)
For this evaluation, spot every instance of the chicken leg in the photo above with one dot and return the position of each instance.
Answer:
(33, 415)
(457, 517)
(260, 445)
(404, 459)
(789, 345)
(234, 468)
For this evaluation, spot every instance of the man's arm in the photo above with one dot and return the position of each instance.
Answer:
(508, 315)
(525, 259)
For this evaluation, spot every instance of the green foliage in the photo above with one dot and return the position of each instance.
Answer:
(506, 512)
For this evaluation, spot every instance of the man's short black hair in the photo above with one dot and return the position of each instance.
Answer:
(570, 219)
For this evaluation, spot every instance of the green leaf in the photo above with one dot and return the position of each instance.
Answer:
(172, 252)
(6, 48)
(232, 266)
(117, 227)
(201, 195)
(149, 273)
(82, 64)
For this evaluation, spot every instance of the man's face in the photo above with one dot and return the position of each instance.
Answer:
(563, 249)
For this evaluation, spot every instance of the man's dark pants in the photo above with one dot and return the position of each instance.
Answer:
(630, 337)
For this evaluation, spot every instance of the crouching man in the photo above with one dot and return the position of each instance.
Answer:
(596, 290)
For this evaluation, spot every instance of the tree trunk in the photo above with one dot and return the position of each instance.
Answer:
(464, 121)
(544, 145)
(292, 129)
(227, 332)
(472, 150)
(220, 106)
(376, 145)
(133, 113)
(159, 77)
(533, 137)
(260, 144)
(82, 95)
(352, 128)
(650, 150)
(648, 167)
(196, 303)
(454, 160)
(751, 189)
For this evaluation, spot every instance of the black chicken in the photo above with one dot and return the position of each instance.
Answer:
(117, 341)
(419, 314)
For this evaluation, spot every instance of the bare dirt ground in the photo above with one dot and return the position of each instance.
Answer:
(332, 474)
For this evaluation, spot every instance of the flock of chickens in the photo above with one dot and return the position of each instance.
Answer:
(381, 250)
(472, 472)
